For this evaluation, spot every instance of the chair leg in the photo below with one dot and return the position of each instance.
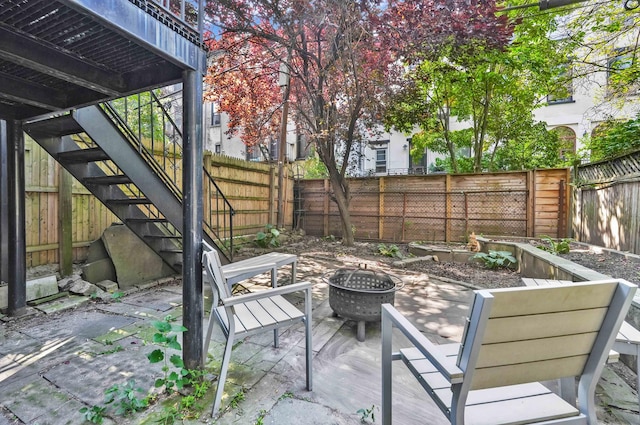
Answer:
(207, 340)
(387, 360)
(638, 373)
(223, 375)
(308, 308)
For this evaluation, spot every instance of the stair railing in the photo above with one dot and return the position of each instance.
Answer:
(130, 189)
(144, 120)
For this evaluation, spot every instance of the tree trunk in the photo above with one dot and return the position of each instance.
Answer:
(340, 187)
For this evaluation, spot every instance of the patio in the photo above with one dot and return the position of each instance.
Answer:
(52, 365)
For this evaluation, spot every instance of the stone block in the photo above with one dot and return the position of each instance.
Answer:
(134, 261)
(97, 251)
(36, 288)
(99, 270)
(108, 286)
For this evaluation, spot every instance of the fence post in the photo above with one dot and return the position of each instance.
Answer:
(325, 221)
(381, 183)
(530, 207)
(448, 207)
(65, 221)
(272, 194)
(561, 204)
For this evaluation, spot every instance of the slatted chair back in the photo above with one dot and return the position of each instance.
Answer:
(519, 335)
(213, 268)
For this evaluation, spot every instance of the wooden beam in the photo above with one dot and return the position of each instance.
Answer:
(65, 221)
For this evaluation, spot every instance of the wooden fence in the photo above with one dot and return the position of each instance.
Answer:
(443, 207)
(606, 202)
(250, 187)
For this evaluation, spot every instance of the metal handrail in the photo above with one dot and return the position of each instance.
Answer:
(152, 131)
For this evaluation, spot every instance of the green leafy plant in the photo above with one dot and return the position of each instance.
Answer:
(270, 238)
(496, 259)
(237, 398)
(124, 398)
(93, 414)
(561, 246)
(117, 296)
(366, 414)
(389, 250)
(167, 337)
(260, 419)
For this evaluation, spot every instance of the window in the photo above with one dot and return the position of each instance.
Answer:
(381, 160)
(617, 66)
(215, 116)
(564, 91)
(218, 148)
(567, 138)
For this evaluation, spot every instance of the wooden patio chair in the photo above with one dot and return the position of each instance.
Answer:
(514, 339)
(240, 316)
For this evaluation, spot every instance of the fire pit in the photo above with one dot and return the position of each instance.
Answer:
(358, 294)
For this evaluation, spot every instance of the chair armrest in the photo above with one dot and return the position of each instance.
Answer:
(445, 365)
(260, 268)
(281, 290)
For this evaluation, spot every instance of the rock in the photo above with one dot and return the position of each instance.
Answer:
(99, 270)
(108, 286)
(82, 287)
(134, 261)
(67, 282)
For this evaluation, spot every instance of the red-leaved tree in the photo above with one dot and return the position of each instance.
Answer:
(342, 56)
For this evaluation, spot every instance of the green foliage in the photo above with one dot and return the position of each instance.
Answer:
(562, 246)
(237, 399)
(167, 338)
(117, 296)
(260, 419)
(314, 168)
(95, 414)
(142, 115)
(124, 398)
(389, 250)
(367, 414)
(615, 138)
(496, 259)
(270, 238)
(495, 90)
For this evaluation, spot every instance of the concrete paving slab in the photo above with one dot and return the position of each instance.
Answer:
(61, 304)
(87, 377)
(79, 324)
(291, 411)
(159, 300)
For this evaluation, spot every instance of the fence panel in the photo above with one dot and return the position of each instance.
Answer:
(249, 186)
(442, 207)
(606, 201)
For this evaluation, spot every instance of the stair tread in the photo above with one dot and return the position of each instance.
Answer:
(129, 201)
(163, 236)
(83, 155)
(63, 125)
(107, 180)
(147, 220)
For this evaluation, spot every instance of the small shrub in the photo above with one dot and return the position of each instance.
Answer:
(496, 259)
(95, 414)
(124, 398)
(367, 414)
(561, 246)
(270, 238)
(389, 250)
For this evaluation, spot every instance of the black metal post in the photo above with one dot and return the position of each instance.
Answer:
(17, 304)
(192, 224)
(4, 204)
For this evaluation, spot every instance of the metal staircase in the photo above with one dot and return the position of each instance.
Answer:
(127, 153)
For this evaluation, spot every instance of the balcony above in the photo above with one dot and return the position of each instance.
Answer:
(61, 54)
